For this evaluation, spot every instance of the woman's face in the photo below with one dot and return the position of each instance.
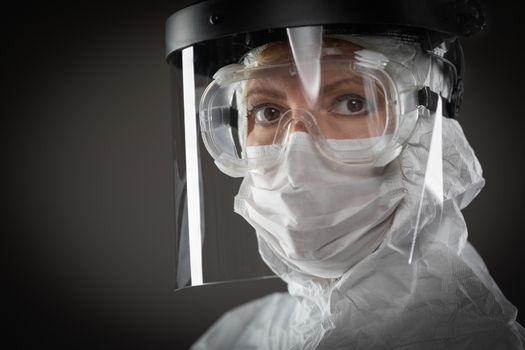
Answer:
(349, 105)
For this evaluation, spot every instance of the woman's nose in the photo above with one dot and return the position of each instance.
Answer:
(298, 125)
(300, 120)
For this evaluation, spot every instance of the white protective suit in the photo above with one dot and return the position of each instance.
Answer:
(444, 299)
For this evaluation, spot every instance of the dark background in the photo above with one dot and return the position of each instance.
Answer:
(87, 192)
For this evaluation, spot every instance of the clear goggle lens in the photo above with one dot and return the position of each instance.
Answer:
(351, 110)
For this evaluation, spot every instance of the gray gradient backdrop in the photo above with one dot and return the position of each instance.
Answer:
(88, 186)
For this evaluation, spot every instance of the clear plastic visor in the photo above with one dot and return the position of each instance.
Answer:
(357, 104)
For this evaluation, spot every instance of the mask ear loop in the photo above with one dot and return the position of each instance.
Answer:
(433, 183)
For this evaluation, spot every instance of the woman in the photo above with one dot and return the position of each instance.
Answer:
(354, 177)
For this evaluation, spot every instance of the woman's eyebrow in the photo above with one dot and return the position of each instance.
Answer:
(271, 93)
(330, 88)
(281, 95)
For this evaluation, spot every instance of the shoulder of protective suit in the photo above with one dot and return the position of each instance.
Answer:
(509, 337)
(251, 325)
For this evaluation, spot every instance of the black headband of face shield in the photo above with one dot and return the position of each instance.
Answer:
(214, 19)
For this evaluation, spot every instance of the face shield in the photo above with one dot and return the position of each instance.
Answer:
(358, 103)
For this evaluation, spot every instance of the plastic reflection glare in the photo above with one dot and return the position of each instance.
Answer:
(192, 168)
(306, 43)
(433, 182)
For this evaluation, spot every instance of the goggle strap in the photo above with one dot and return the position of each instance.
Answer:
(429, 99)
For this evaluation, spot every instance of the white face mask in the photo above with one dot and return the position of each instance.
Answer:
(317, 216)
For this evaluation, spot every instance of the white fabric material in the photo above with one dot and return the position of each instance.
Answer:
(319, 222)
(444, 299)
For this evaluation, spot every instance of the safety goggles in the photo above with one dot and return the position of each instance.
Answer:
(358, 106)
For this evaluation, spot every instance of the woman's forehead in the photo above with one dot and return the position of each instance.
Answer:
(280, 52)
(282, 79)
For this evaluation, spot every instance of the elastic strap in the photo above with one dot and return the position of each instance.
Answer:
(429, 99)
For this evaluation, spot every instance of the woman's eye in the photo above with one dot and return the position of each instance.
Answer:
(351, 105)
(266, 114)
